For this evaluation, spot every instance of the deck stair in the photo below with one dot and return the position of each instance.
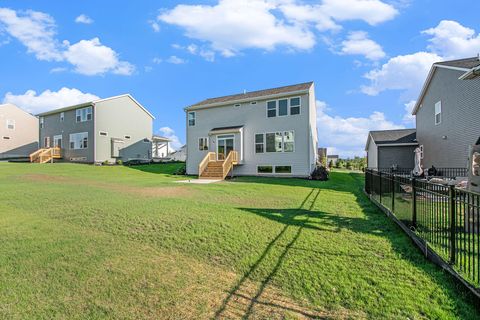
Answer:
(45, 155)
(211, 168)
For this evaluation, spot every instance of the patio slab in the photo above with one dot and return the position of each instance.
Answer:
(199, 181)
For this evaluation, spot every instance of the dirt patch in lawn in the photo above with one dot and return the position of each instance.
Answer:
(156, 192)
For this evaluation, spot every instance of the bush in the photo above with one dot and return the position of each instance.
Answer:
(106, 163)
(320, 173)
(181, 171)
(119, 162)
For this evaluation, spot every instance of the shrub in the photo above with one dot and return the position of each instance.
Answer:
(119, 162)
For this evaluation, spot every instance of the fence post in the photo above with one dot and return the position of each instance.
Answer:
(414, 203)
(380, 186)
(453, 225)
(393, 192)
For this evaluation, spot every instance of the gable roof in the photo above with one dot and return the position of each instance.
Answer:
(11, 105)
(392, 137)
(92, 103)
(296, 88)
(467, 65)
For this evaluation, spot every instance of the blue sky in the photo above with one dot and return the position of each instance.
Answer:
(368, 58)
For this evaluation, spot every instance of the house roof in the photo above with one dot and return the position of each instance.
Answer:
(468, 65)
(393, 137)
(160, 138)
(252, 95)
(332, 156)
(92, 103)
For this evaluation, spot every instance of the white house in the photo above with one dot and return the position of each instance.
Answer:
(272, 132)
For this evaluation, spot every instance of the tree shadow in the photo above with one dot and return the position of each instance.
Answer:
(159, 168)
(373, 222)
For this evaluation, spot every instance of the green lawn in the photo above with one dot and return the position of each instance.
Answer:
(85, 242)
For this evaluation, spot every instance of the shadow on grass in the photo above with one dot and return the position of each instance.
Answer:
(159, 168)
(374, 222)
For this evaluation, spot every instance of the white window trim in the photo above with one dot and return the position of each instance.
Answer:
(61, 139)
(439, 103)
(255, 143)
(223, 135)
(282, 165)
(10, 122)
(283, 141)
(266, 165)
(81, 143)
(206, 143)
(289, 107)
(86, 114)
(194, 118)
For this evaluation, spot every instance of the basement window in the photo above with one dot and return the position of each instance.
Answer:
(265, 169)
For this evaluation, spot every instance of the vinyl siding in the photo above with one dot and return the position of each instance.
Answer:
(23, 140)
(460, 119)
(372, 155)
(254, 119)
(53, 126)
(401, 156)
(120, 117)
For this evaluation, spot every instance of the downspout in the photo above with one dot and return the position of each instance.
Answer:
(94, 109)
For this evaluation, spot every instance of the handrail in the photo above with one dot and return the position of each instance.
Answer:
(210, 156)
(229, 162)
(43, 155)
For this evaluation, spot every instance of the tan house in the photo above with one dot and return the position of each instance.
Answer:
(18, 132)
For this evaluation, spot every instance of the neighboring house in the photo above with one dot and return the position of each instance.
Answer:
(180, 154)
(18, 132)
(274, 131)
(322, 154)
(448, 113)
(160, 147)
(116, 128)
(332, 158)
(389, 148)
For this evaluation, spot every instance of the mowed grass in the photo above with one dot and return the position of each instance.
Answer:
(85, 242)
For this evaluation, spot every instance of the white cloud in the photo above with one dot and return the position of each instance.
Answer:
(370, 11)
(90, 57)
(157, 60)
(193, 49)
(452, 40)
(58, 70)
(409, 118)
(407, 72)
(449, 40)
(48, 100)
(169, 133)
(358, 43)
(230, 26)
(347, 136)
(155, 26)
(176, 60)
(35, 30)
(83, 19)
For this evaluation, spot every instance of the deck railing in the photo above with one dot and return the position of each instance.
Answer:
(210, 156)
(230, 160)
(44, 155)
(444, 218)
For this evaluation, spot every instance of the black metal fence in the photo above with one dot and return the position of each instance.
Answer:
(441, 172)
(443, 217)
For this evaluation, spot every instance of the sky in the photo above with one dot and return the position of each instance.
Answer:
(368, 58)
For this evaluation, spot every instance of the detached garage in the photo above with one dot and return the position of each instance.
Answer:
(391, 148)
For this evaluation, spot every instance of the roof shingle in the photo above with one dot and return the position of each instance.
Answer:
(394, 136)
(467, 63)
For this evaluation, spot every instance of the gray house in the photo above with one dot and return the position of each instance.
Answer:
(18, 132)
(389, 148)
(116, 128)
(272, 132)
(448, 113)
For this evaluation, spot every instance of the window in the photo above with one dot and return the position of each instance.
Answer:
(282, 107)
(288, 141)
(202, 144)
(264, 169)
(83, 114)
(57, 141)
(11, 124)
(79, 140)
(271, 109)
(46, 142)
(62, 116)
(259, 143)
(294, 106)
(103, 133)
(438, 112)
(191, 119)
(127, 137)
(42, 122)
(283, 169)
(279, 142)
(421, 151)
